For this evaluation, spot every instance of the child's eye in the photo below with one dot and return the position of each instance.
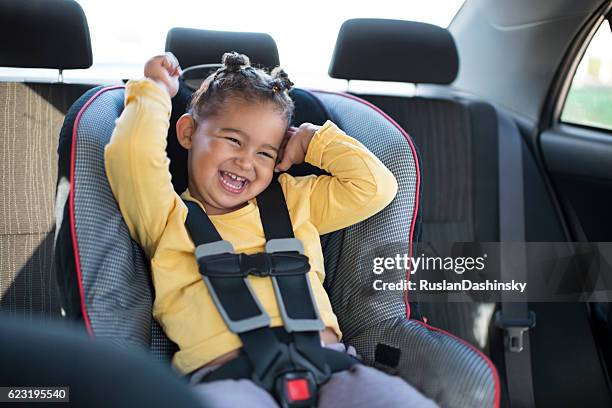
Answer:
(266, 154)
(231, 139)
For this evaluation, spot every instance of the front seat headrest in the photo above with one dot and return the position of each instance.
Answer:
(394, 50)
(44, 34)
(195, 47)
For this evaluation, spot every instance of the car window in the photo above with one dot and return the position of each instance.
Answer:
(589, 100)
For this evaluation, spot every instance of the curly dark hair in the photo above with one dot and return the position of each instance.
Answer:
(238, 79)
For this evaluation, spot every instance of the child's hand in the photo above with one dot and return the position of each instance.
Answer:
(165, 71)
(295, 145)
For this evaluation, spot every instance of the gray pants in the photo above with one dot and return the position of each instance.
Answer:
(357, 387)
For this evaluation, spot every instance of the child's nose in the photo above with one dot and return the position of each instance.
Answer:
(244, 162)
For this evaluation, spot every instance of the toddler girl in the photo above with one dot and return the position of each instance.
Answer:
(238, 133)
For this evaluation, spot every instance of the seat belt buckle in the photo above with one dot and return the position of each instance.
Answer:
(297, 390)
(514, 330)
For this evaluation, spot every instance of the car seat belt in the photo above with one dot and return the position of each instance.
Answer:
(274, 361)
(514, 317)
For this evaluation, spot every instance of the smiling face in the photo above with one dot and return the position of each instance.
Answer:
(232, 154)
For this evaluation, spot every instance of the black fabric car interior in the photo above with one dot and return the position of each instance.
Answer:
(457, 137)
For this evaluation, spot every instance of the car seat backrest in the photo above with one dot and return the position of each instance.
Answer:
(457, 138)
(456, 134)
(450, 134)
(36, 34)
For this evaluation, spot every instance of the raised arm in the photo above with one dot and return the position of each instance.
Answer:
(359, 186)
(137, 166)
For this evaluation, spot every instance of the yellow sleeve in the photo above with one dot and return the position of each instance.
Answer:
(137, 166)
(359, 185)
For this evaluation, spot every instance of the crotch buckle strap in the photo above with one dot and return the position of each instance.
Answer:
(292, 378)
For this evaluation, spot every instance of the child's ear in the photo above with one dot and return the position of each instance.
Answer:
(185, 130)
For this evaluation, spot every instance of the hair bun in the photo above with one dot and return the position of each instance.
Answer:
(281, 79)
(233, 61)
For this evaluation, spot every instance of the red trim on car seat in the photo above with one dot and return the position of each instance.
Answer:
(418, 176)
(75, 246)
(482, 355)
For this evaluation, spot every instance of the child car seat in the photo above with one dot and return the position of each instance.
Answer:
(105, 282)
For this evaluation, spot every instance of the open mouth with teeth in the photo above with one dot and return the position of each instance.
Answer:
(232, 182)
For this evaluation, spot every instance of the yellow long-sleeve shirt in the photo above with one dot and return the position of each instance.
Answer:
(138, 172)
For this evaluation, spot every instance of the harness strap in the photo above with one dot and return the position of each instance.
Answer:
(273, 212)
(241, 311)
(264, 359)
(291, 290)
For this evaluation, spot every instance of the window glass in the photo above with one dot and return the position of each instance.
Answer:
(589, 101)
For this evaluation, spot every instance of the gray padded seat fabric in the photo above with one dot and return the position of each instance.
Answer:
(457, 142)
(434, 362)
(114, 301)
(354, 301)
(368, 317)
(117, 294)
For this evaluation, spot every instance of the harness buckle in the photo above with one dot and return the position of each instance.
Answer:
(297, 390)
(292, 378)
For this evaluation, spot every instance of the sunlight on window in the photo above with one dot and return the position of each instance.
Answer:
(125, 33)
(589, 101)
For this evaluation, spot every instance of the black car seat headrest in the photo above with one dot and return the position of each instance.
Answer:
(44, 34)
(394, 50)
(196, 47)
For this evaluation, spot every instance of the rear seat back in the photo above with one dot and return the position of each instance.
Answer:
(457, 138)
(36, 34)
(449, 133)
